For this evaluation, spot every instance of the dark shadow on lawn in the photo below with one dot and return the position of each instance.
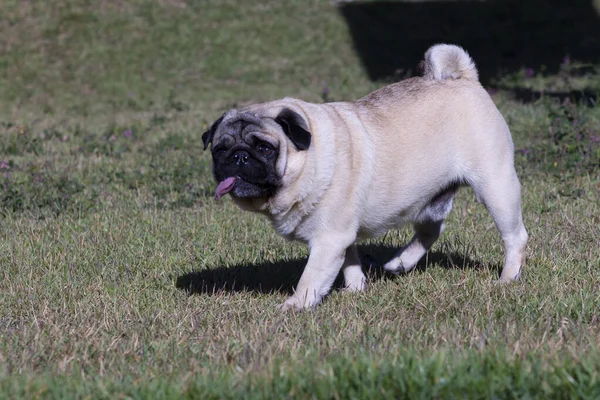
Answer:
(502, 36)
(282, 276)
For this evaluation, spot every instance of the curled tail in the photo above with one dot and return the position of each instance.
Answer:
(448, 61)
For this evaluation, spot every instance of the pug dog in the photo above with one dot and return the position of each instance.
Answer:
(334, 173)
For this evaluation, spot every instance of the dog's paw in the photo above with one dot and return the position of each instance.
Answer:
(291, 304)
(357, 286)
(298, 303)
(354, 280)
(395, 266)
(508, 278)
(506, 281)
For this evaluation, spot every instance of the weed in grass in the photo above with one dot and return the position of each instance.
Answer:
(17, 140)
(575, 144)
(40, 193)
(566, 143)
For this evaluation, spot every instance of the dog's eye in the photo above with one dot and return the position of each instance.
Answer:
(265, 150)
(220, 150)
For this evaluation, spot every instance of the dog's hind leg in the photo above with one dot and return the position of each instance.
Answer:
(428, 226)
(500, 192)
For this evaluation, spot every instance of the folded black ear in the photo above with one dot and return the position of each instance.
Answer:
(295, 128)
(207, 136)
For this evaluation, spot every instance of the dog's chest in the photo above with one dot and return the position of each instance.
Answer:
(294, 225)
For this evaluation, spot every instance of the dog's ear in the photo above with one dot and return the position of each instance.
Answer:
(295, 128)
(207, 136)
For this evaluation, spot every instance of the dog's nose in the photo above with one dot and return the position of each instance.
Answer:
(241, 157)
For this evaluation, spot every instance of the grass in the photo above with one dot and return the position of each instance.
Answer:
(408, 375)
(120, 276)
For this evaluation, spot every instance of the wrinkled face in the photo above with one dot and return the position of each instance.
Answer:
(246, 148)
(244, 159)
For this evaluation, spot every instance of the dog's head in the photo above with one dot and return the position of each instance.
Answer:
(250, 150)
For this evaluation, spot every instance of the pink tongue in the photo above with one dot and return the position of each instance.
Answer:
(225, 186)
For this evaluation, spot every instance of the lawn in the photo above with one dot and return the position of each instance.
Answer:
(122, 277)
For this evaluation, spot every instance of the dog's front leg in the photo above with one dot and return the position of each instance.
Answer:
(354, 277)
(324, 263)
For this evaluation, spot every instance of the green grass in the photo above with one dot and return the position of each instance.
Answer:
(406, 376)
(121, 276)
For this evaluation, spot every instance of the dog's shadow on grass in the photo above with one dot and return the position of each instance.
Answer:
(282, 276)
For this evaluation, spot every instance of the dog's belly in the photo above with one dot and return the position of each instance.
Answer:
(402, 202)
(374, 230)
(376, 223)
